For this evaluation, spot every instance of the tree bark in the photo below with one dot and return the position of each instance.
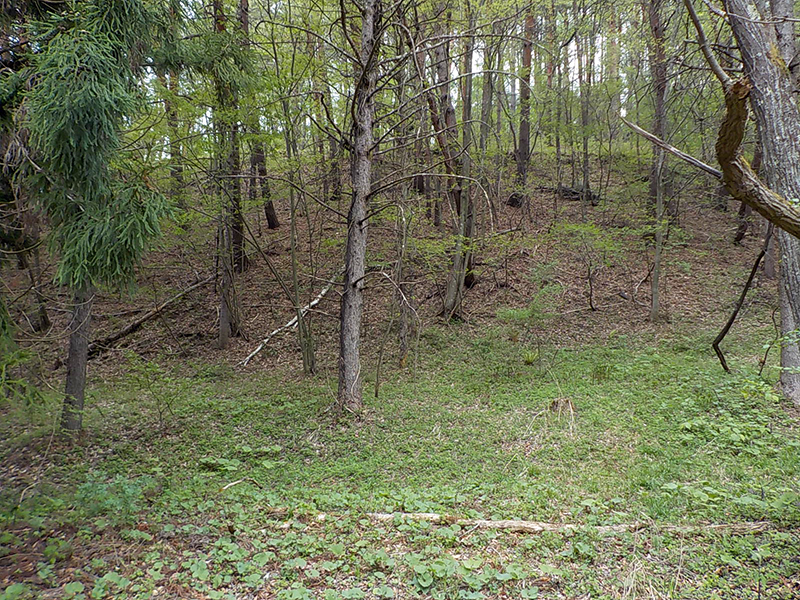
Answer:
(231, 232)
(584, 60)
(487, 93)
(77, 360)
(349, 397)
(230, 158)
(524, 149)
(658, 70)
(258, 159)
(258, 167)
(745, 211)
(447, 112)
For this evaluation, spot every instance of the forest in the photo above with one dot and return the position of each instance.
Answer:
(469, 299)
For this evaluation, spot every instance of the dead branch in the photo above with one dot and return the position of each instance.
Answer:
(292, 322)
(97, 347)
(721, 335)
(673, 150)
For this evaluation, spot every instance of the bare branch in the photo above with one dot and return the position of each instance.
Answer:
(673, 150)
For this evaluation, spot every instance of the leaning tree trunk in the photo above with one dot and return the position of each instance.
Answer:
(77, 359)
(349, 396)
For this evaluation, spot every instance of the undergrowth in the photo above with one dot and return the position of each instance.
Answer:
(197, 481)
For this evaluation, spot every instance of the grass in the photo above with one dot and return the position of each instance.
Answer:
(198, 481)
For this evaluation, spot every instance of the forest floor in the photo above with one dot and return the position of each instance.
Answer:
(197, 477)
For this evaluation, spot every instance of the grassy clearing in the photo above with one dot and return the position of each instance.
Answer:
(630, 431)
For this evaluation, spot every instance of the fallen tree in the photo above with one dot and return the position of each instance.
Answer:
(99, 346)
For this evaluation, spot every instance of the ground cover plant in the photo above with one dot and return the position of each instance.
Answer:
(233, 493)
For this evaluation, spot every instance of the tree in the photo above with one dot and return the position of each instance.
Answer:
(462, 255)
(102, 216)
(524, 149)
(658, 69)
(349, 395)
(766, 41)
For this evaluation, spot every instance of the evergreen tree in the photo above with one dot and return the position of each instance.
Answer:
(78, 86)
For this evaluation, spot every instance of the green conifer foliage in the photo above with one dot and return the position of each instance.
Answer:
(83, 89)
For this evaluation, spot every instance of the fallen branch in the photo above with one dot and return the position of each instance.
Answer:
(99, 346)
(505, 524)
(292, 322)
(673, 150)
(541, 527)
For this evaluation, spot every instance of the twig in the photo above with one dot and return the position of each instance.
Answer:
(238, 481)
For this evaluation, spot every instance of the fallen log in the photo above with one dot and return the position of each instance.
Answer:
(541, 527)
(99, 346)
(570, 193)
(503, 524)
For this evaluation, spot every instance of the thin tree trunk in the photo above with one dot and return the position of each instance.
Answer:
(77, 360)
(524, 149)
(173, 88)
(584, 59)
(349, 397)
(658, 69)
(304, 336)
(229, 133)
(446, 110)
(258, 166)
(613, 66)
(551, 62)
(258, 158)
(463, 252)
(439, 131)
(231, 235)
(30, 260)
(487, 93)
(175, 161)
(655, 276)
